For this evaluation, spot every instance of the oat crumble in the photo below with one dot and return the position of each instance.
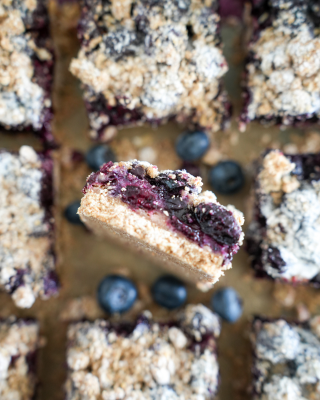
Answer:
(150, 62)
(284, 235)
(24, 101)
(26, 242)
(286, 364)
(19, 341)
(147, 361)
(283, 71)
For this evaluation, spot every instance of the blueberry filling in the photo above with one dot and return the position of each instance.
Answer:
(51, 283)
(307, 166)
(207, 224)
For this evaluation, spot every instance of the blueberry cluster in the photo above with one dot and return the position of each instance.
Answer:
(117, 294)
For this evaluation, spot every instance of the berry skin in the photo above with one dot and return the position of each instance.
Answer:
(191, 146)
(116, 294)
(99, 155)
(70, 213)
(227, 304)
(226, 177)
(169, 292)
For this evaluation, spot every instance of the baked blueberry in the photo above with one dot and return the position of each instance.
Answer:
(71, 215)
(99, 155)
(191, 146)
(116, 294)
(169, 292)
(226, 177)
(227, 304)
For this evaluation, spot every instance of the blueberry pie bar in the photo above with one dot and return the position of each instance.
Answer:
(145, 360)
(163, 214)
(286, 360)
(26, 226)
(284, 236)
(151, 61)
(283, 68)
(26, 63)
(19, 342)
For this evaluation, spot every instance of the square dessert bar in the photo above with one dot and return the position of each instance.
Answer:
(19, 342)
(163, 215)
(26, 66)
(151, 61)
(26, 226)
(286, 359)
(284, 236)
(147, 360)
(283, 68)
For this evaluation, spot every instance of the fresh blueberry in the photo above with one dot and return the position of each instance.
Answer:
(226, 177)
(169, 292)
(191, 146)
(116, 294)
(227, 303)
(99, 155)
(70, 213)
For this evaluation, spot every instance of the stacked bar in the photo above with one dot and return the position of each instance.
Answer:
(163, 214)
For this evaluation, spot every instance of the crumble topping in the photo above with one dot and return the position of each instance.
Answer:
(19, 340)
(283, 74)
(160, 58)
(287, 361)
(275, 175)
(21, 98)
(153, 361)
(26, 258)
(289, 240)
